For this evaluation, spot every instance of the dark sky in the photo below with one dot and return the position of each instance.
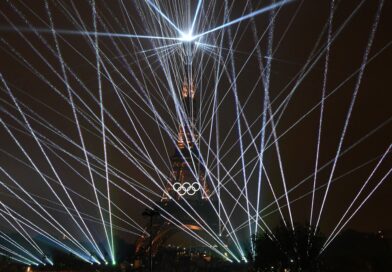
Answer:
(298, 146)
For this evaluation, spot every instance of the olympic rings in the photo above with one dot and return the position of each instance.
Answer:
(186, 188)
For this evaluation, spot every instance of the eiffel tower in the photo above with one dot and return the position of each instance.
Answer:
(187, 179)
(187, 186)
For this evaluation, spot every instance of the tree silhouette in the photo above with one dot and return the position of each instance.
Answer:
(296, 250)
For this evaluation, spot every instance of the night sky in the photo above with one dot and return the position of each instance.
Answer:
(294, 39)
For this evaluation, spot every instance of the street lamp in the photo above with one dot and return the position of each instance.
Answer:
(150, 213)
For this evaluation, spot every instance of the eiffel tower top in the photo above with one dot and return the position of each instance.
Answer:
(188, 91)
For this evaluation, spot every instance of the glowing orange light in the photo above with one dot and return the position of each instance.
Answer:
(193, 227)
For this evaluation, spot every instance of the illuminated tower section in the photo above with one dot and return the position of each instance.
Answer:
(187, 178)
(187, 185)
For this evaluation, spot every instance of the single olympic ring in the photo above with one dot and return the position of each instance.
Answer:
(186, 188)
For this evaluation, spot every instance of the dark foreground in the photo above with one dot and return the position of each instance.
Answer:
(353, 251)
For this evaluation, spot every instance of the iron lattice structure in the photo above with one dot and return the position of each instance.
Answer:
(187, 172)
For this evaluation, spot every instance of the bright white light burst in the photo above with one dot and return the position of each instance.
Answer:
(187, 37)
